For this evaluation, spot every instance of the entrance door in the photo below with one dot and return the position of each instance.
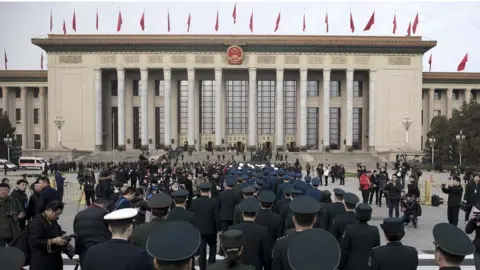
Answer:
(185, 146)
(268, 146)
(239, 146)
(210, 146)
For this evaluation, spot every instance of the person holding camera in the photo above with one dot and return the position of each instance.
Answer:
(394, 191)
(454, 191)
(473, 225)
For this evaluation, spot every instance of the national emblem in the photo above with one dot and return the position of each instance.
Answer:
(234, 55)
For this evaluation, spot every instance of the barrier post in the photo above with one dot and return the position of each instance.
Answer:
(81, 200)
(428, 196)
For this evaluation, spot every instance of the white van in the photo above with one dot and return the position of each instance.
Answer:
(36, 163)
(10, 166)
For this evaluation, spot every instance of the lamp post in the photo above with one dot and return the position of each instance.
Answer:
(59, 122)
(407, 123)
(8, 142)
(460, 139)
(432, 144)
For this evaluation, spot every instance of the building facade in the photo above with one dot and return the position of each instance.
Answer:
(340, 93)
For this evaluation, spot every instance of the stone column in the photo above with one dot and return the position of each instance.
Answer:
(42, 96)
(468, 95)
(218, 107)
(121, 107)
(371, 109)
(191, 107)
(303, 108)
(279, 116)
(5, 100)
(326, 108)
(449, 103)
(24, 115)
(167, 84)
(144, 107)
(431, 93)
(349, 108)
(252, 107)
(98, 110)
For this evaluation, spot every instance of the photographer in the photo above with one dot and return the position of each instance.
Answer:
(473, 225)
(10, 212)
(394, 190)
(454, 191)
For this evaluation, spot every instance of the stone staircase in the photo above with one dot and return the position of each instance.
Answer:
(130, 155)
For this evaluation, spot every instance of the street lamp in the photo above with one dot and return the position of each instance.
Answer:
(460, 139)
(407, 123)
(59, 122)
(432, 144)
(8, 142)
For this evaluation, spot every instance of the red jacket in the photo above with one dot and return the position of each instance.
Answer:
(364, 182)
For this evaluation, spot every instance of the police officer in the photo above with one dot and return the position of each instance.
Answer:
(248, 192)
(451, 246)
(333, 209)
(173, 245)
(117, 253)
(227, 200)
(257, 248)
(178, 212)
(287, 198)
(286, 212)
(11, 258)
(267, 218)
(342, 220)
(394, 255)
(232, 244)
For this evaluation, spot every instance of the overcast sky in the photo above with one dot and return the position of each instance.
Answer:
(455, 25)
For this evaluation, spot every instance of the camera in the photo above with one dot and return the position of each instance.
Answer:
(68, 249)
(476, 216)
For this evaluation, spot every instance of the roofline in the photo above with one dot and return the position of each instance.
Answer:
(23, 76)
(451, 77)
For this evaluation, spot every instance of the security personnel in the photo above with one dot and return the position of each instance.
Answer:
(333, 209)
(286, 200)
(248, 192)
(207, 222)
(342, 220)
(159, 204)
(451, 246)
(174, 244)
(11, 258)
(286, 212)
(179, 212)
(394, 255)
(232, 244)
(117, 253)
(358, 240)
(257, 248)
(267, 218)
(313, 190)
(305, 209)
(227, 200)
(313, 249)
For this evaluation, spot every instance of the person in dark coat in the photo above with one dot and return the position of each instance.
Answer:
(394, 190)
(248, 192)
(267, 218)
(232, 243)
(452, 245)
(333, 209)
(47, 195)
(342, 220)
(394, 255)
(33, 200)
(179, 212)
(60, 182)
(287, 198)
(455, 191)
(19, 194)
(313, 190)
(118, 253)
(125, 200)
(257, 244)
(227, 200)
(10, 211)
(471, 195)
(358, 240)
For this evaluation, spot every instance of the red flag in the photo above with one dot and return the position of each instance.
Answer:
(415, 24)
(430, 63)
(64, 27)
(119, 21)
(188, 22)
(352, 25)
(51, 20)
(277, 23)
(304, 22)
(460, 67)
(370, 22)
(326, 21)
(394, 23)
(251, 23)
(5, 59)
(142, 21)
(168, 20)
(216, 23)
(409, 30)
(74, 22)
(41, 62)
(234, 14)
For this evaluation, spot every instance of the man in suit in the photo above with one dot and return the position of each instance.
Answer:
(47, 195)
(333, 209)
(349, 217)
(227, 200)
(248, 192)
(267, 218)
(179, 212)
(117, 253)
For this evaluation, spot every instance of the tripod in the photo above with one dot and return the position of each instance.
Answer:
(80, 200)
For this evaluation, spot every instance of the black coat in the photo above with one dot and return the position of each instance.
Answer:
(272, 221)
(180, 214)
(206, 215)
(356, 246)
(341, 222)
(330, 212)
(454, 195)
(222, 265)
(227, 201)
(394, 256)
(47, 195)
(21, 197)
(469, 229)
(472, 193)
(394, 191)
(257, 247)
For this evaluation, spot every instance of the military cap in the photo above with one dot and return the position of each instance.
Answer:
(287, 177)
(231, 181)
(287, 188)
(338, 192)
(308, 178)
(266, 196)
(173, 241)
(11, 258)
(314, 249)
(295, 192)
(121, 214)
(180, 193)
(452, 240)
(232, 240)
(393, 225)
(248, 189)
(350, 198)
(363, 210)
(315, 181)
(249, 205)
(160, 200)
(205, 186)
(304, 205)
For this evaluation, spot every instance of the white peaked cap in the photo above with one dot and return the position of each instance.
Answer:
(125, 213)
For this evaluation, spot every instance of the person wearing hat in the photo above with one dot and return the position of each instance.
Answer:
(232, 245)
(342, 220)
(451, 246)
(287, 198)
(118, 253)
(257, 247)
(333, 209)
(206, 211)
(358, 240)
(227, 200)
(394, 255)
(313, 190)
(173, 245)
(11, 258)
(159, 205)
(179, 212)
(247, 192)
(266, 217)
(286, 212)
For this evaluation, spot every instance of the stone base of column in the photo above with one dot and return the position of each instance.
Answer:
(167, 147)
(219, 148)
(252, 148)
(303, 148)
(98, 147)
(371, 149)
(144, 147)
(121, 148)
(349, 148)
(326, 148)
(280, 148)
(191, 148)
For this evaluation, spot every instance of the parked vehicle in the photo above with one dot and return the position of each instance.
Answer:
(10, 166)
(35, 163)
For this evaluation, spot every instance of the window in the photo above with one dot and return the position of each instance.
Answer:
(421, 117)
(456, 95)
(437, 113)
(474, 95)
(183, 108)
(159, 88)
(18, 115)
(335, 114)
(137, 143)
(159, 127)
(312, 128)
(114, 88)
(36, 114)
(36, 92)
(424, 93)
(136, 86)
(437, 95)
(312, 89)
(357, 129)
(37, 144)
(208, 107)
(237, 107)
(18, 93)
(335, 89)
(290, 107)
(1, 112)
(115, 126)
(357, 89)
(19, 140)
(266, 107)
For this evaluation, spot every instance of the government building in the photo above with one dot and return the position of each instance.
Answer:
(323, 93)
